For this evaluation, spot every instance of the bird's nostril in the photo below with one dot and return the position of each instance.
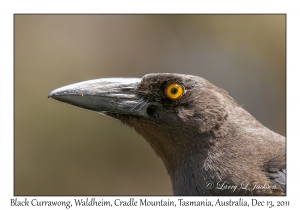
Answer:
(151, 110)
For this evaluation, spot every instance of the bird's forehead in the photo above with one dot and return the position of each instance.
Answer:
(158, 80)
(167, 76)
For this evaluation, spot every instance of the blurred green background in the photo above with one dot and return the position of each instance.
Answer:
(60, 149)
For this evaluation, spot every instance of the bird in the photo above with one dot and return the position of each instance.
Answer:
(207, 142)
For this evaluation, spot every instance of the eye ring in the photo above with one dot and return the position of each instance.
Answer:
(174, 91)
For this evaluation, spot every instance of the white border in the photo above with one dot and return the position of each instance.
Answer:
(8, 8)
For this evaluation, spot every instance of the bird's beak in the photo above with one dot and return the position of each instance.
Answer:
(113, 95)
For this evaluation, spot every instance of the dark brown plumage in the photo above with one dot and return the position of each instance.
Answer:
(208, 143)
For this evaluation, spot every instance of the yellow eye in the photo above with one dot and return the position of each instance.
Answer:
(174, 91)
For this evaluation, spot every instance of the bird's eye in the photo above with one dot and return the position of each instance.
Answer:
(174, 91)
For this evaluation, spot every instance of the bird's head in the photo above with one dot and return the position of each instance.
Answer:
(175, 113)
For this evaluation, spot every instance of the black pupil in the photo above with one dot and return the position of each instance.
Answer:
(174, 91)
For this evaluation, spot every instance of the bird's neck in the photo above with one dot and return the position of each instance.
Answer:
(192, 174)
(188, 179)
